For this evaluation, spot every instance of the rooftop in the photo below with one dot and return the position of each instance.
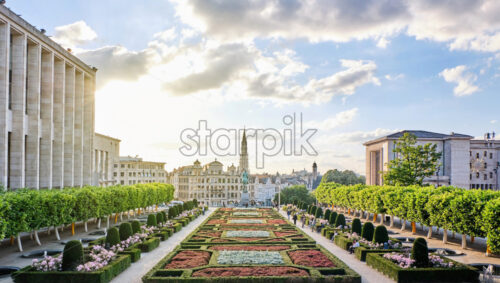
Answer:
(421, 135)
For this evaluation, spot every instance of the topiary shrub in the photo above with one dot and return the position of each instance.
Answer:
(367, 231)
(159, 218)
(136, 227)
(112, 237)
(125, 231)
(327, 214)
(313, 210)
(356, 226)
(319, 213)
(381, 236)
(340, 221)
(172, 212)
(333, 217)
(151, 220)
(72, 255)
(420, 253)
(164, 213)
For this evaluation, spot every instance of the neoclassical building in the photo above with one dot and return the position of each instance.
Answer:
(466, 162)
(46, 110)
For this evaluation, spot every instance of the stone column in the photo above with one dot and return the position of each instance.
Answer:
(33, 100)
(88, 129)
(18, 107)
(69, 126)
(46, 115)
(78, 135)
(4, 103)
(58, 128)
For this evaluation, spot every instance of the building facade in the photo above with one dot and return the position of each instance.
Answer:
(465, 162)
(210, 184)
(46, 110)
(106, 154)
(133, 170)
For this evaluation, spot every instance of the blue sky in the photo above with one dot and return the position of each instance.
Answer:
(355, 70)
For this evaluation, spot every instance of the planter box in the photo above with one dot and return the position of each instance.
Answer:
(163, 235)
(362, 252)
(134, 252)
(149, 244)
(461, 273)
(29, 275)
(177, 227)
(342, 242)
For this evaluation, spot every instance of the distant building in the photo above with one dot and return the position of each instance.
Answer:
(302, 177)
(133, 170)
(106, 155)
(265, 190)
(465, 163)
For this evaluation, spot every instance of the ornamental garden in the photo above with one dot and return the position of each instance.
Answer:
(243, 245)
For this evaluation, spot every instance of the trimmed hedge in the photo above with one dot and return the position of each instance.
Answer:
(72, 255)
(149, 244)
(343, 242)
(50, 208)
(361, 252)
(367, 231)
(29, 275)
(470, 212)
(461, 273)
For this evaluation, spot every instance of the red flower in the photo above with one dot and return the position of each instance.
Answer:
(188, 259)
(257, 271)
(313, 258)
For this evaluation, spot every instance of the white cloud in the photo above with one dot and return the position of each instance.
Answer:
(463, 24)
(464, 80)
(342, 118)
(493, 121)
(390, 77)
(360, 136)
(74, 34)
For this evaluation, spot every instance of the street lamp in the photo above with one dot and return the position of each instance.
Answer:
(437, 175)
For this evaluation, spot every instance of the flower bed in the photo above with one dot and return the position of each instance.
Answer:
(246, 221)
(250, 248)
(399, 268)
(249, 257)
(248, 234)
(245, 252)
(314, 258)
(246, 213)
(188, 259)
(257, 271)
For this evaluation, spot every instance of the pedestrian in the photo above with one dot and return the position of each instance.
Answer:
(288, 212)
(203, 210)
(354, 245)
(295, 219)
(313, 224)
(303, 218)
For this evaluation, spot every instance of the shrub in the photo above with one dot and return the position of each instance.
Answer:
(72, 255)
(151, 220)
(136, 226)
(340, 220)
(319, 213)
(172, 212)
(125, 231)
(356, 226)
(420, 253)
(195, 202)
(164, 213)
(333, 217)
(159, 218)
(313, 210)
(113, 237)
(367, 231)
(381, 236)
(327, 214)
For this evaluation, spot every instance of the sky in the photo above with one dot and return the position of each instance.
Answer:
(353, 70)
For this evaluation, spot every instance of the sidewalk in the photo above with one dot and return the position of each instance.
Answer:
(368, 275)
(138, 269)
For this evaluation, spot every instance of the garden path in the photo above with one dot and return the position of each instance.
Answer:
(368, 275)
(134, 273)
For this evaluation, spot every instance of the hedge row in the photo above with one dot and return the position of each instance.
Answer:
(29, 210)
(469, 212)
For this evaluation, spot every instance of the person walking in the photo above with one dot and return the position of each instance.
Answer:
(203, 210)
(288, 212)
(313, 224)
(303, 219)
(295, 219)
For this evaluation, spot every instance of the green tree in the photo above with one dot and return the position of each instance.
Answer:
(413, 163)
(346, 177)
(295, 193)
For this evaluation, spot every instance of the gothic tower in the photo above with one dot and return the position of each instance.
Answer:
(244, 154)
(315, 171)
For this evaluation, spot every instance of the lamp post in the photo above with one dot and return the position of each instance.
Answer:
(437, 175)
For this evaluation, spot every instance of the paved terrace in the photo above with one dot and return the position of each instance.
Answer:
(9, 255)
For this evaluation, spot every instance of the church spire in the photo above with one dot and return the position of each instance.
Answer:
(244, 153)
